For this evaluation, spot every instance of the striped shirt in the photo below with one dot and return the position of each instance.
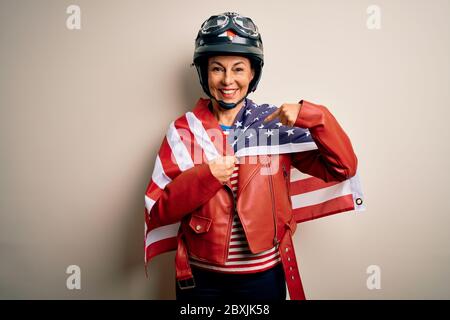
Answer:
(239, 258)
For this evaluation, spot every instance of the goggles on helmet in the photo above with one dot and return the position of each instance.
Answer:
(230, 20)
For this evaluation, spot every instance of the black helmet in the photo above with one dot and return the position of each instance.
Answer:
(228, 34)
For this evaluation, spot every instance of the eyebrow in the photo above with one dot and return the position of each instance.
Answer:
(217, 62)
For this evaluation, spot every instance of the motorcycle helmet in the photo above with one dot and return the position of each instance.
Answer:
(228, 33)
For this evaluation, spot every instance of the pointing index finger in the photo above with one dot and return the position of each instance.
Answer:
(272, 116)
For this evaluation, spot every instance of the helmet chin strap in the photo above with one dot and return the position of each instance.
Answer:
(228, 106)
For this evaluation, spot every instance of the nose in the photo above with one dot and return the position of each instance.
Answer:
(227, 78)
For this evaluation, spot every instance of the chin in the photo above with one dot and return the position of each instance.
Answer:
(228, 100)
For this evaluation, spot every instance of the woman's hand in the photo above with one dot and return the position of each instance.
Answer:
(222, 168)
(288, 113)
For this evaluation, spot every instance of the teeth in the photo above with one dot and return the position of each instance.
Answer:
(228, 91)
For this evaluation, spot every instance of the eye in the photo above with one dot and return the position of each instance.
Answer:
(239, 69)
(216, 69)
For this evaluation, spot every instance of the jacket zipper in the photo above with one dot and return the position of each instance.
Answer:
(287, 183)
(275, 240)
(230, 224)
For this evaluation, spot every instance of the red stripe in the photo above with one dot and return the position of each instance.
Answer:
(240, 271)
(248, 265)
(169, 166)
(161, 246)
(310, 184)
(276, 253)
(340, 204)
(153, 191)
(239, 252)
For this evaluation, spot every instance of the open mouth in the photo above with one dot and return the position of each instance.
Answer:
(228, 93)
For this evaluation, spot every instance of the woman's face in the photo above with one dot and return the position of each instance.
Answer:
(229, 77)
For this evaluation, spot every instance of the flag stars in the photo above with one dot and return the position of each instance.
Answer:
(279, 124)
(261, 126)
(269, 132)
(238, 124)
(248, 112)
(249, 136)
(290, 132)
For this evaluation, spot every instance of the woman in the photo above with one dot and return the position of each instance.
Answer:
(231, 206)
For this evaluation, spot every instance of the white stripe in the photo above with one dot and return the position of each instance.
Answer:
(245, 255)
(237, 249)
(235, 269)
(298, 175)
(235, 236)
(355, 185)
(159, 176)
(278, 149)
(321, 195)
(149, 203)
(181, 154)
(161, 233)
(233, 263)
(237, 242)
(201, 136)
(145, 237)
(237, 229)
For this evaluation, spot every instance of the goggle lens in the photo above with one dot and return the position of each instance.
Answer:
(214, 23)
(246, 25)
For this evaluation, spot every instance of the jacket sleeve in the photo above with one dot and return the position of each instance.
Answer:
(334, 160)
(188, 191)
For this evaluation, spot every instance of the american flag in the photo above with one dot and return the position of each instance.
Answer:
(193, 138)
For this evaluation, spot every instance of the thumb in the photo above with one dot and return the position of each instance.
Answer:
(230, 160)
(272, 116)
(217, 160)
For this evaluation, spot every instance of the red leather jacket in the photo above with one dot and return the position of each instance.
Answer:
(205, 207)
